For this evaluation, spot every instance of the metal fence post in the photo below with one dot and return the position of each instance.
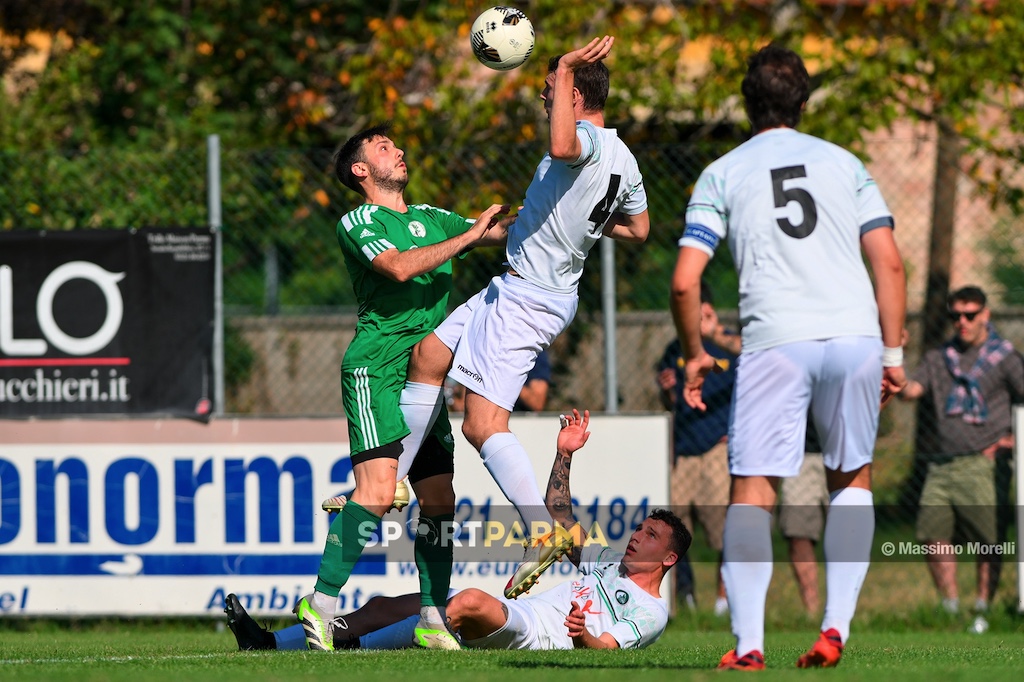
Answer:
(213, 203)
(611, 375)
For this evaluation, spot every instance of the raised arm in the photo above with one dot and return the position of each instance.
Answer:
(558, 498)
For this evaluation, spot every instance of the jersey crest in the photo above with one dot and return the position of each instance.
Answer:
(417, 228)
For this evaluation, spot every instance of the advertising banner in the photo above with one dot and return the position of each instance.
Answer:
(166, 517)
(106, 322)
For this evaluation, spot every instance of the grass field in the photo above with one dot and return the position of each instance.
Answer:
(898, 634)
(181, 652)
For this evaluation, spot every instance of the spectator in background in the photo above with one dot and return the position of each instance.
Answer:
(532, 398)
(700, 468)
(534, 395)
(803, 503)
(970, 384)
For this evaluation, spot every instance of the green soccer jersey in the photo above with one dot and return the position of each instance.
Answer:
(394, 316)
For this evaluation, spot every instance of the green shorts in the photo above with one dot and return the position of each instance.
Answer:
(370, 398)
(959, 501)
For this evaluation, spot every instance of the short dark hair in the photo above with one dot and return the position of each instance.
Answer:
(681, 536)
(591, 80)
(968, 294)
(352, 151)
(775, 88)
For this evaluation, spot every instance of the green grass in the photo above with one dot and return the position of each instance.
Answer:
(898, 634)
(182, 652)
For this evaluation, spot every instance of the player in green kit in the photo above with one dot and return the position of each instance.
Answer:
(398, 257)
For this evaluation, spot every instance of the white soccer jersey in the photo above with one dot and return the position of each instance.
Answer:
(612, 602)
(568, 205)
(793, 208)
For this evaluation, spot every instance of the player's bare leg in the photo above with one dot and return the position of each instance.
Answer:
(475, 614)
(486, 427)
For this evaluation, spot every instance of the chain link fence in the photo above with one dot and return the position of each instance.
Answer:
(290, 312)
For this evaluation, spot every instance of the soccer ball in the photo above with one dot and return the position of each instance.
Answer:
(502, 38)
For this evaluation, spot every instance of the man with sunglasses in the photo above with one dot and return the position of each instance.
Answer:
(969, 384)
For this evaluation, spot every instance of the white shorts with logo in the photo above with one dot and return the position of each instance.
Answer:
(497, 335)
(525, 629)
(839, 379)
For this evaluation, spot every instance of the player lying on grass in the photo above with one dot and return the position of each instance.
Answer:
(615, 603)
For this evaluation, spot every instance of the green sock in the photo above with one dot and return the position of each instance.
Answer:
(348, 535)
(434, 560)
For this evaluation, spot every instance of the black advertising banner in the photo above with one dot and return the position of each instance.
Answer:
(106, 322)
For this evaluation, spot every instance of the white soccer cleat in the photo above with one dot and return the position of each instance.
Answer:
(334, 505)
(540, 554)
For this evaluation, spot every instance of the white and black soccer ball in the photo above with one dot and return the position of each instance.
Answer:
(502, 38)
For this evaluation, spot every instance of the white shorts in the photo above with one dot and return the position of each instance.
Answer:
(839, 379)
(497, 335)
(525, 629)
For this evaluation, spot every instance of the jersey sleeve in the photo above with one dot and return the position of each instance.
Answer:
(706, 215)
(636, 199)
(361, 234)
(452, 223)
(594, 554)
(590, 144)
(872, 211)
(639, 627)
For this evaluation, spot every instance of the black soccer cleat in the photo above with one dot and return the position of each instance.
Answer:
(248, 633)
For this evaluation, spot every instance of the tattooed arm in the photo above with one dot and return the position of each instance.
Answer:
(558, 498)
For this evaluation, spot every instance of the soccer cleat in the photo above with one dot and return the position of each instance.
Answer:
(248, 633)
(402, 498)
(825, 653)
(540, 554)
(434, 636)
(752, 660)
(319, 629)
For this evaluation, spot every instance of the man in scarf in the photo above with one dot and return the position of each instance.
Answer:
(969, 385)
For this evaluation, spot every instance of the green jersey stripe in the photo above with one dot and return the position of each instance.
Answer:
(375, 248)
(363, 401)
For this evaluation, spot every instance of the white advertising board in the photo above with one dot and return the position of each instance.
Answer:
(165, 517)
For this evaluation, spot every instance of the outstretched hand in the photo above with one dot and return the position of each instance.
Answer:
(594, 51)
(488, 219)
(573, 434)
(696, 369)
(576, 621)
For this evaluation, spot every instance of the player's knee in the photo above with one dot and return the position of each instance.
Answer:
(476, 432)
(467, 603)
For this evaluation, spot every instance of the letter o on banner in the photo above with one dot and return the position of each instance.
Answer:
(106, 281)
(148, 502)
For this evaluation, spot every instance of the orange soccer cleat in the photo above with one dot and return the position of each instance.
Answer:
(752, 660)
(825, 653)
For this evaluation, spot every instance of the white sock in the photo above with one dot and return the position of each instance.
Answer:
(396, 636)
(849, 532)
(420, 404)
(325, 604)
(512, 470)
(434, 615)
(747, 572)
(291, 638)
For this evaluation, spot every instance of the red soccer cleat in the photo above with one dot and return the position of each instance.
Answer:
(752, 660)
(825, 653)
